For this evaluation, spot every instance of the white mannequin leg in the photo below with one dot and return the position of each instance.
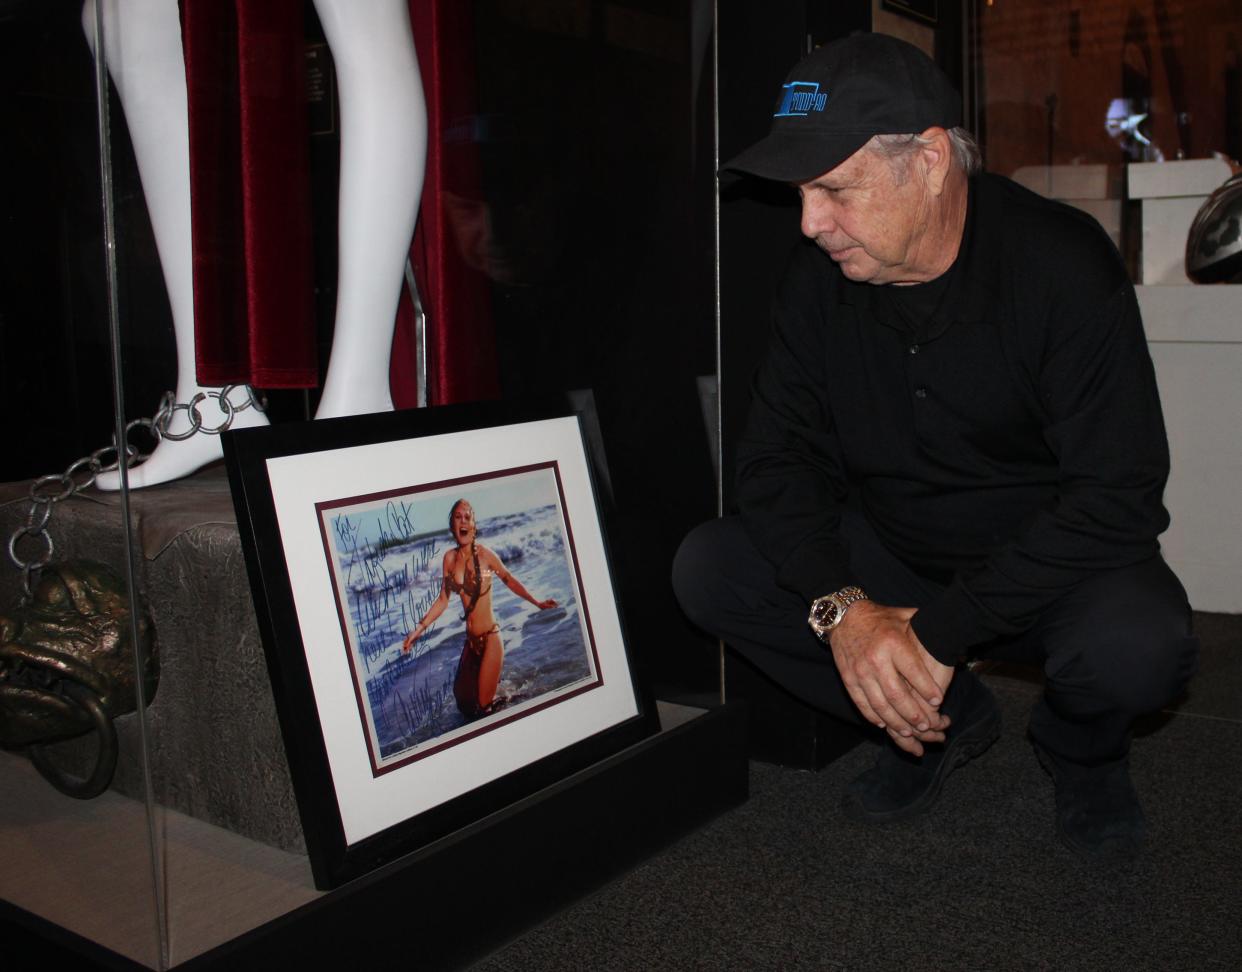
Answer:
(383, 154)
(142, 40)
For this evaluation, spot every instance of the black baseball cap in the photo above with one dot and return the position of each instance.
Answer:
(839, 96)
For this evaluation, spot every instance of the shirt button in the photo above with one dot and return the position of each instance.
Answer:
(920, 393)
(914, 349)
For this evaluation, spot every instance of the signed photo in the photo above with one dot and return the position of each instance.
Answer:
(437, 610)
(460, 607)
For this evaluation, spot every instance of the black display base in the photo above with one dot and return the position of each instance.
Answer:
(472, 892)
(782, 729)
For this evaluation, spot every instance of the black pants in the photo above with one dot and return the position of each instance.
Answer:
(1115, 647)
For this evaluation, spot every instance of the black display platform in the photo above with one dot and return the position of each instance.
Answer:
(782, 729)
(470, 893)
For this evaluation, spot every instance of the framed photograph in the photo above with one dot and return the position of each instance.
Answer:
(434, 596)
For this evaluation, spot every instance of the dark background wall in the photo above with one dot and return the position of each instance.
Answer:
(758, 219)
(54, 375)
(599, 196)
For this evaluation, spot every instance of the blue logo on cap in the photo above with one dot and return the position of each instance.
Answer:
(801, 98)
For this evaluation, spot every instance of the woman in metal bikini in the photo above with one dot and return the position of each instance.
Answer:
(470, 571)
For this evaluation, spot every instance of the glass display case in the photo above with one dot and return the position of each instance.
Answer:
(241, 253)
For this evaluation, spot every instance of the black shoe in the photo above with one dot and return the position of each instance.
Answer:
(1099, 817)
(900, 785)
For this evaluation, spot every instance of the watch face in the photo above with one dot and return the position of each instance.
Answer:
(824, 611)
(827, 612)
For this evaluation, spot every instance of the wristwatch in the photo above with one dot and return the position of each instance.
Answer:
(828, 611)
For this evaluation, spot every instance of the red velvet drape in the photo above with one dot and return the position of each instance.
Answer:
(461, 347)
(250, 193)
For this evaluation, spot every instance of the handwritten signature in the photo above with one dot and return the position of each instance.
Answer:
(382, 604)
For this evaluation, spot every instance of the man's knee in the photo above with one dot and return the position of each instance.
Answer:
(693, 574)
(1142, 674)
(722, 580)
(1134, 648)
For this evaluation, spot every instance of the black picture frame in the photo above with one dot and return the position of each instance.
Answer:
(363, 799)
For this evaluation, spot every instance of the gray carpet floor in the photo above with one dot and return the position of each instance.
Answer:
(786, 881)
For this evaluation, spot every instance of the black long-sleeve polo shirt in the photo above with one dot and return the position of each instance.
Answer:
(1009, 448)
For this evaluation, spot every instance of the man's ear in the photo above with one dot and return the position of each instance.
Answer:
(936, 158)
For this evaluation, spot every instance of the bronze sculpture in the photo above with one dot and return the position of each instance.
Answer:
(68, 667)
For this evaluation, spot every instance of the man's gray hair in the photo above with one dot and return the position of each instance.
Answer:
(899, 149)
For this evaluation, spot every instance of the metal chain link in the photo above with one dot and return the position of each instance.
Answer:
(46, 491)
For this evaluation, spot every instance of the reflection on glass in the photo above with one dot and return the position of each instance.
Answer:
(1124, 124)
(1164, 75)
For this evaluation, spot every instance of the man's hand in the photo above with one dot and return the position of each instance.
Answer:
(892, 679)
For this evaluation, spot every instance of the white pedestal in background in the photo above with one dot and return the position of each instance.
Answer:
(1195, 337)
(1172, 193)
(1095, 189)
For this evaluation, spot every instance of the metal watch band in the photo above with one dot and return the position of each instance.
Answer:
(848, 595)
